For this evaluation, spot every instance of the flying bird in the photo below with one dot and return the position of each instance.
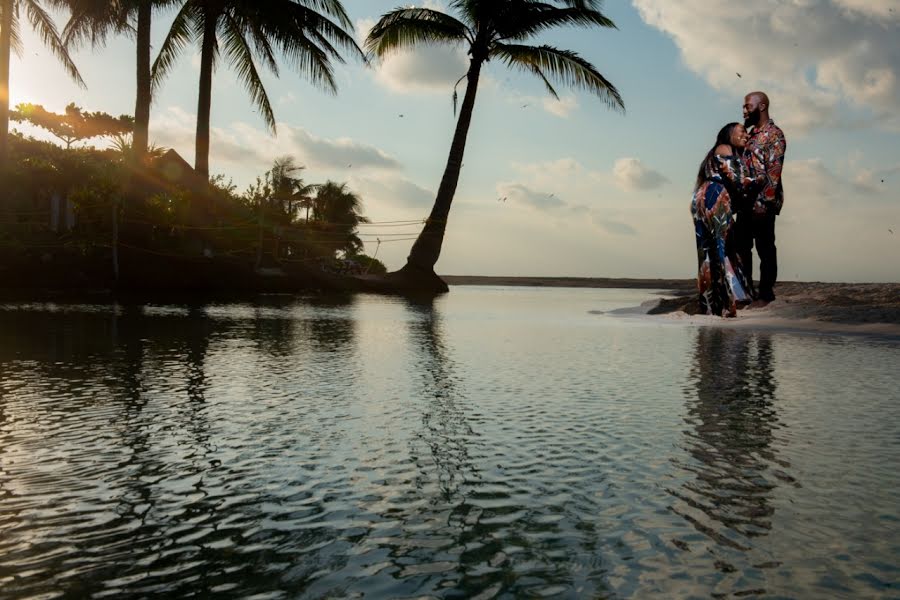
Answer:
(738, 74)
(892, 231)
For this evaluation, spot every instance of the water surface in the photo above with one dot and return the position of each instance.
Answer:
(495, 442)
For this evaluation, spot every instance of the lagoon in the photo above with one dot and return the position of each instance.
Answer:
(494, 443)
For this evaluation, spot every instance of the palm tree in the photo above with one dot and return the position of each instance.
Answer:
(10, 40)
(490, 29)
(289, 190)
(340, 211)
(309, 32)
(93, 20)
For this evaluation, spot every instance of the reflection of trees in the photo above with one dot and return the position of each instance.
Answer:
(446, 429)
(334, 327)
(732, 415)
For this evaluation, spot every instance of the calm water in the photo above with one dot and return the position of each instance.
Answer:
(494, 443)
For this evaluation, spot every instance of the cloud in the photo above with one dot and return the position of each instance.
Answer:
(631, 174)
(427, 69)
(518, 193)
(394, 192)
(813, 58)
(562, 108)
(577, 198)
(242, 143)
(614, 227)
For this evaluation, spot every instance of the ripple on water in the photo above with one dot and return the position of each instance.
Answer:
(483, 445)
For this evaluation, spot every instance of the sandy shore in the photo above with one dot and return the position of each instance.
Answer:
(840, 308)
(851, 308)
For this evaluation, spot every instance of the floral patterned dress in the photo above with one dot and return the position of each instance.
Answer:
(720, 280)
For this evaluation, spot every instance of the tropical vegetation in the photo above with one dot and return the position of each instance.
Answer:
(249, 34)
(11, 12)
(127, 197)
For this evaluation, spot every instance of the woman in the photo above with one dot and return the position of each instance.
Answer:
(724, 179)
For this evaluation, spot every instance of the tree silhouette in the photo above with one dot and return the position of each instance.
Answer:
(310, 34)
(490, 30)
(93, 20)
(73, 125)
(339, 211)
(10, 40)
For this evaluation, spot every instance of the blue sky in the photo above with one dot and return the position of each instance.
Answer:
(589, 191)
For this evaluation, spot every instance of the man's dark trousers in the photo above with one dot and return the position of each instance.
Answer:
(755, 229)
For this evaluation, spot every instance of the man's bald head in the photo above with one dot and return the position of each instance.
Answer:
(760, 97)
(756, 109)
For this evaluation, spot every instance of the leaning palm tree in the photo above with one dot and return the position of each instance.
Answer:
(489, 29)
(310, 33)
(94, 20)
(10, 40)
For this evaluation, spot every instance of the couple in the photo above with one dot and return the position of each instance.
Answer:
(736, 199)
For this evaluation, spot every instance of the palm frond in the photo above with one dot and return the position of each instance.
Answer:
(410, 27)
(563, 66)
(93, 20)
(331, 8)
(15, 40)
(239, 54)
(43, 24)
(540, 17)
(180, 34)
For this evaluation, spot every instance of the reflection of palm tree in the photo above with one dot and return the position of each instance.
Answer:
(249, 32)
(732, 414)
(490, 29)
(446, 428)
(11, 40)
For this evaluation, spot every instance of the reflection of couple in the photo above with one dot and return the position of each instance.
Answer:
(736, 198)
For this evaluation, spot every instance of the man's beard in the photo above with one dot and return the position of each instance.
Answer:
(752, 119)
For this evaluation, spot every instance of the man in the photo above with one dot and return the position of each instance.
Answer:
(756, 219)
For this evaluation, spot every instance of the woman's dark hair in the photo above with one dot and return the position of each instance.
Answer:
(724, 138)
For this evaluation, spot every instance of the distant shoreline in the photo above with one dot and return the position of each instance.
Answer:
(675, 285)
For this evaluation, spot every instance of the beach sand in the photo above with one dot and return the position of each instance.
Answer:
(847, 308)
(843, 308)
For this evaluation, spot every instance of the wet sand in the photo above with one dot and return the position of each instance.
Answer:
(865, 308)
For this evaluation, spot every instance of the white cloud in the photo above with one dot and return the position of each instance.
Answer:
(431, 69)
(812, 58)
(571, 194)
(563, 107)
(524, 195)
(244, 144)
(392, 193)
(631, 174)
(428, 69)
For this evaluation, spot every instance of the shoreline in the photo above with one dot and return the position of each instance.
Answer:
(814, 307)
(676, 285)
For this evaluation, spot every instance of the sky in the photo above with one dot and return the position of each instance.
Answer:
(568, 187)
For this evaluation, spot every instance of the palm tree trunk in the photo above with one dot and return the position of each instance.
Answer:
(141, 137)
(204, 103)
(5, 42)
(427, 248)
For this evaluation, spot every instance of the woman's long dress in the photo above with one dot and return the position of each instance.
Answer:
(720, 280)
